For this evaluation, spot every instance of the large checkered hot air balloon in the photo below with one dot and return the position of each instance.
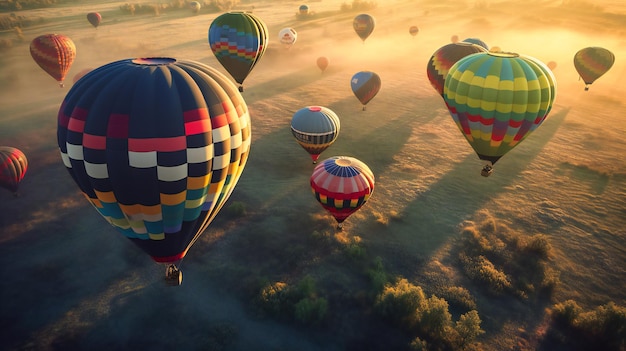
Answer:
(593, 62)
(315, 129)
(342, 184)
(54, 53)
(238, 40)
(497, 100)
(13, 166)
(157, 146)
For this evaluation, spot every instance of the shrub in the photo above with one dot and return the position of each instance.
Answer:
(311, 310)
(236, 209)
(399, 302)
(468, 328)
(434, 317)
(539, 245)
(459, 296)
(481, 269)
(378, 276)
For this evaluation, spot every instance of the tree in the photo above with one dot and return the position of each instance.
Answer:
(468, 327)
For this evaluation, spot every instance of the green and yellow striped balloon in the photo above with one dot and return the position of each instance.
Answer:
(498, 99)
(592, 62)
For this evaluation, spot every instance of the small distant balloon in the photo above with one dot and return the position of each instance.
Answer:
(13, 166)
(454, 38)
(476, 41)
(303, 9)
(413, 30)
(195, 6)
(94, 18)
(593, 62)
(365, 85)
(322, 63)
(495, 49)
(80, 74)
(54, 53)
(552, 65)
(287, 36)
(363, 25)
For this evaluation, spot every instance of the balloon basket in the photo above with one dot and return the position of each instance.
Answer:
(486, 171)
(173, 276)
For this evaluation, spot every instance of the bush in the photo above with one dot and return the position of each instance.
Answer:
(311, 310)
(236, 209)
(481, 269)
(468, 328)
(399, 303)
(434, 317)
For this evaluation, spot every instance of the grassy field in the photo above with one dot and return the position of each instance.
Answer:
(549, 223)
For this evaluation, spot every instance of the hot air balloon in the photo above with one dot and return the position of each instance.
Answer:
(322, 63)
(54, 53)
(195, 6)
(303, 10)
(365, 85)
(552, 65)
(592, 62)
(81, 74)
(157, 146)
(287, 36)
(342, 185)
(413, 30)
(476, 41)
(495, 49)
(238, 40)
(13, 166)
(363, 25)
(454, 38)
(497, 100)
(94, 18)
(446, 56)
(315, 129)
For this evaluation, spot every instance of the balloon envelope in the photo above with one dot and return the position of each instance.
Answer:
(303, 9)
(238, 41)
(363, 25)
(157, 146)
(342, 184)
(94, 18)
(54, 53)
(413, 30)
(13, 166)
(446, 56)
(498, 99)
(287, 36)
(365, 85)
(593, 62)
(476, 41)
(322, 63)
(315, 129)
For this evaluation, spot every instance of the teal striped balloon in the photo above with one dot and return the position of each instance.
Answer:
(498, 99)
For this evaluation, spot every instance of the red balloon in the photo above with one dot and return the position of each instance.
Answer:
(54, 53)
(13, 165)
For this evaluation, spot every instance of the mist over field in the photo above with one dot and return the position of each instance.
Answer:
(71, 281)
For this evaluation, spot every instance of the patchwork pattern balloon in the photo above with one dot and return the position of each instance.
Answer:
(238, 41)
(94, 18)
(315, 129)
(157, 146)
(13, 166)
(365, 85)
(592, 63)
(54, 53)
(445, 57)
(342, 185)
(363, 25)
(497, 100)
